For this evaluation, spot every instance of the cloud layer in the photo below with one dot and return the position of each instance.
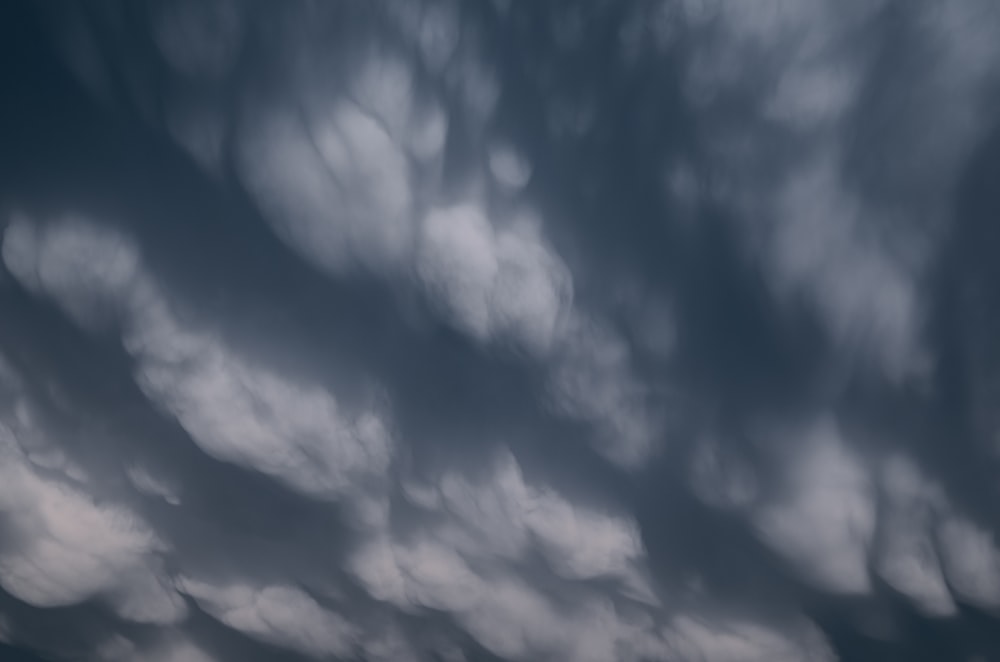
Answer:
(499, 331)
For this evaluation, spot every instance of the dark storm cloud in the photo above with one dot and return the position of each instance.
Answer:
(457, 331)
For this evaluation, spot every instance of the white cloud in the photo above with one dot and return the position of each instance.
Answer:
(241, 412)
(970, 560)
(383, 85)
(371, 175)
(334, 186)
(463, 561)
(824, 525)
(199, 38)
(277, 614)
(494, 283)
(592, 380)
(458, 264)
(152, 485)
(171, 647)
(583, 544)
(64, 547)
(693, 639)
(509, 168)
(516, 622)
(867, 297)
(420, 572)
(433, 27)
(503, 614)
(853, 245)
(722, 478)
(906, 556)
(36, 444)
(234, 408)
(199, 126)
(342, 176)
(501, 515)
(86, 269)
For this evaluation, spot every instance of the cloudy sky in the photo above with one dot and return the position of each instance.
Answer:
(500, 330)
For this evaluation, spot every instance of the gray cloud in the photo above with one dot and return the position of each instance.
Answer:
(473, 331)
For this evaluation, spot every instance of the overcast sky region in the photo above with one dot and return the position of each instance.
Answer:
(500, 330)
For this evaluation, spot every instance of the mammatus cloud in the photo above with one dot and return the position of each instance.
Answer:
(420, 331)
(282, 615)
(908, 560)
(245, 415)
(467, 564)
(849, 233)
(971, 562)
(63, 547)
(169, 649)
(235, 410)
(494, 284)
(825, 523)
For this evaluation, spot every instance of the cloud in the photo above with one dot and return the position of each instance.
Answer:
(721, 477)
(825, 523)
(86, 269)
(243, 413)
(481, 528)
(745, 642)
(504, 515)
(517, 623)
(62, 547)
(502, 283)
(907, 558)
(199, 38)
(233, 408)
(281, 615)
(867, 298)
(592, 380)
(336, 189)
(461, 564)
(508, 167)
(168, 648)
(337, 175)
(854, 247)
(153, 486)
(436, 331)
(971, 561)
(495, 284)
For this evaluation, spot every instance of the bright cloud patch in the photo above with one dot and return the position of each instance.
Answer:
(234, 409)
(500, 283)
(281, 615)
(245, 414)
(63, 547)
(908, 559)
(826, 522)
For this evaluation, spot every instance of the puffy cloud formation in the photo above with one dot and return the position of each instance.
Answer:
(245, 414)
(436, 330)
(168, 649)
(856, 248)
(908, 560)
(234, 409)
(502, 283)
(282, 615)
(87, 270)
(466, 564)
(64, 547)
(826, 523)
(971, 562)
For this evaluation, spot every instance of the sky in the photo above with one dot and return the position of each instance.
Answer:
(498, 330)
